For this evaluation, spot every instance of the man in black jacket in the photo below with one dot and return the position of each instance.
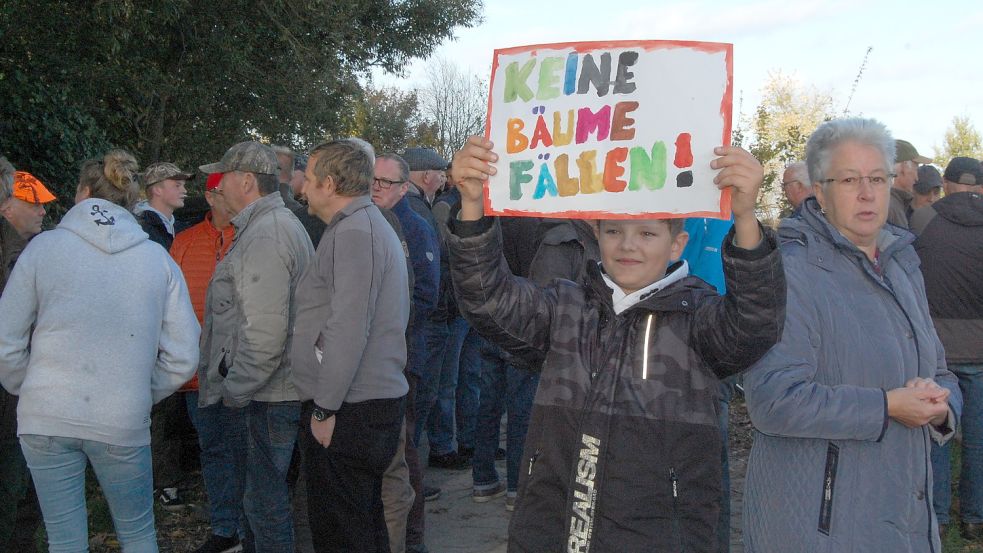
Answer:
(950, 245)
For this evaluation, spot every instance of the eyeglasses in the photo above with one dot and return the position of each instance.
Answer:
(791, 182)
(386, 184)
(853, 182)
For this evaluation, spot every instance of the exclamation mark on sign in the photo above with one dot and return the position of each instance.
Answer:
(684, 158)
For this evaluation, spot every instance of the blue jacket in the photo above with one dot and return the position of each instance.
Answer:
(829, 471)
(702, 252)
(421, 239)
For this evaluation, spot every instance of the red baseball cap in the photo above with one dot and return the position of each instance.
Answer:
(212, 182)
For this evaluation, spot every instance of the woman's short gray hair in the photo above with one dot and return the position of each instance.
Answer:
(831, 134)
(6, 179)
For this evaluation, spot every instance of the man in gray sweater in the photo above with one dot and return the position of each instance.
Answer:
(348, 352)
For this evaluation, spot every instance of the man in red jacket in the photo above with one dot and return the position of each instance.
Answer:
(197, 250)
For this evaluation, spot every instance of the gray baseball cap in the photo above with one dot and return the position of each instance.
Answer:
(250, 157)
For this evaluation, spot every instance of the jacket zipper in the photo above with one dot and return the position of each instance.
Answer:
(677, 532)
(532, 461)
(829, 486)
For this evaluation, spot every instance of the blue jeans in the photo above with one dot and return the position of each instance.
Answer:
(271, 430)
(440, 426)
(971, 476)
(427, 361)
(468, 389)
(503, 387)
(125, 476)
(222, 437)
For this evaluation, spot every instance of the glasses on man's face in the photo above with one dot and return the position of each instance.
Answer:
(853, 182)
(786, 184)
(386, 184)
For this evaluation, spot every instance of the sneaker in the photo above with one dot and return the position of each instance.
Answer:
(451, 461)
(170, 500)
(430, 493)
(481, 496)
(510, 501)
(220, 544)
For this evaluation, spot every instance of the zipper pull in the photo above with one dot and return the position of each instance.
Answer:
(675, 482)
(532, 461)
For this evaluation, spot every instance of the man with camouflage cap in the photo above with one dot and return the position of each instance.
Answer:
(164, 186)
(906, 163)
(249, 319)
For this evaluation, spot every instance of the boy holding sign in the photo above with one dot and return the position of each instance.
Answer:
(623, 450)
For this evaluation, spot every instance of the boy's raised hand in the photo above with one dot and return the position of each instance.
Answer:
(743, 174)
(471, 168)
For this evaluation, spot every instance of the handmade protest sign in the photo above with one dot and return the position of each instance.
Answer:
(622, 129)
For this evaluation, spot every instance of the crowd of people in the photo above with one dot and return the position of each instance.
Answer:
(333, 315)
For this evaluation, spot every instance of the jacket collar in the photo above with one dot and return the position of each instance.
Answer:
(258, 208)
(621, 301)
(357, 204)
(680, 295)
(902, 196)
(822, 240)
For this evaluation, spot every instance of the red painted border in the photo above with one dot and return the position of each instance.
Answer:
(726, 111)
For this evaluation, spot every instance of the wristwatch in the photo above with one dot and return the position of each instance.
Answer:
(321, 414)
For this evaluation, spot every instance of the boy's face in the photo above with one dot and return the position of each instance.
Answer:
(635, 253)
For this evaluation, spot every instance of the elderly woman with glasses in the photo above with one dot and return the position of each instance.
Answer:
(845, 405)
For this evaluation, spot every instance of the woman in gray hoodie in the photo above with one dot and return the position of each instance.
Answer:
(97, 326)
(846, 403)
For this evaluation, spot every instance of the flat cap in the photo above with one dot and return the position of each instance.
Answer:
(424, 159)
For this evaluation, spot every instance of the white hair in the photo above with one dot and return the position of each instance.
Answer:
(831, 134)
(800, 171)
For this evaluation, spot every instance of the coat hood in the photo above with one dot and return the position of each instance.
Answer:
(103, 224)
(962, 208)
(813, 223)
(682, 295)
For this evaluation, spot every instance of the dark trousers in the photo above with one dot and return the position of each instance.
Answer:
(20, 514)
(415, 522)
(169, 424)
(344, 480)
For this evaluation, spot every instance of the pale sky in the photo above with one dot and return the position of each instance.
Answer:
(925, 68)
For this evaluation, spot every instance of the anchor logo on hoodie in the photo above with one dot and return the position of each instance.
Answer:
(105, 220)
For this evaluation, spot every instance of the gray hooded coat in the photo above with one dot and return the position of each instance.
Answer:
(97, 326)
(829, 471)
